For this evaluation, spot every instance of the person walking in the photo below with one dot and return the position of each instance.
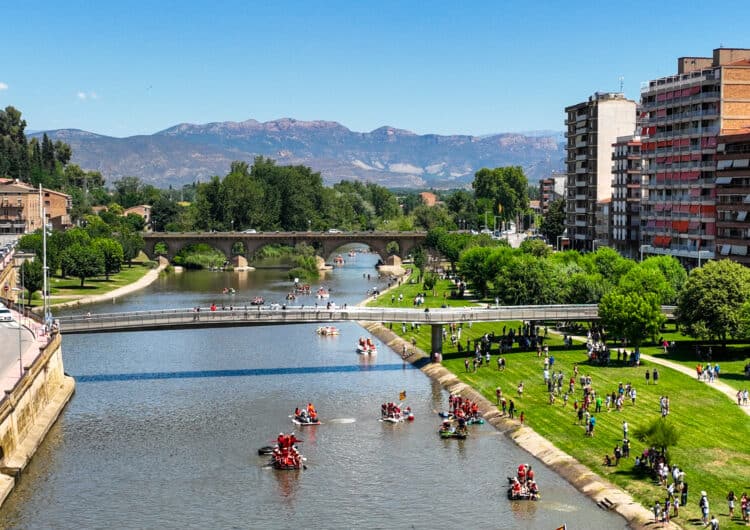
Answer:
(624, 429)
(703, 504)
(511, 409)
(731, 498)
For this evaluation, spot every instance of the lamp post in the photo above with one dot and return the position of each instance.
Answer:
(20, 327)
(641, 249)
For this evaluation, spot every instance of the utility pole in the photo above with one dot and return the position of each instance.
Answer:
(45, 286)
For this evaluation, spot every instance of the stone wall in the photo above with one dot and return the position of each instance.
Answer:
(29, 410)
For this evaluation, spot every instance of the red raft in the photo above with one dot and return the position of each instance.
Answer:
(285, 455)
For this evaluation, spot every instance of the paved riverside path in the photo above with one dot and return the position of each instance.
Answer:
(718, 385)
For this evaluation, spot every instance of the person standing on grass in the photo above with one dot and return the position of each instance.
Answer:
(648, 376)
(703, 504)
(499, 394)
(730, 501)
(655, 376)
(511, 409)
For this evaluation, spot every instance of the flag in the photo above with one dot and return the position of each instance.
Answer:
(402, 395)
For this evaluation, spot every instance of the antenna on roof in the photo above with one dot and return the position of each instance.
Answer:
(622, 81)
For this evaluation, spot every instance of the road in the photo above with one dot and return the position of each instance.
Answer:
(9, 352)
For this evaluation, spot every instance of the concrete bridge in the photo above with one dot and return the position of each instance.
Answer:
(325, 243)
(278, 315)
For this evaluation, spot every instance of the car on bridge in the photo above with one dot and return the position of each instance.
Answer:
(250, 231)
(334, 231)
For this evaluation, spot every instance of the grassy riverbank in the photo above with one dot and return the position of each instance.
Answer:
(713, 447)
(63, 290)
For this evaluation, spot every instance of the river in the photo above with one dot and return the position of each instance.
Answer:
(164, 427)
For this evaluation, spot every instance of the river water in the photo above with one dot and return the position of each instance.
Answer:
(164, 427)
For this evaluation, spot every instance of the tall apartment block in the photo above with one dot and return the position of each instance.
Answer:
(681, 117)
(592, 127)
(625, 211)
(733, 197)
(551, 189)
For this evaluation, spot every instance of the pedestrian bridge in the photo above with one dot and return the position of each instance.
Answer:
(273, 315)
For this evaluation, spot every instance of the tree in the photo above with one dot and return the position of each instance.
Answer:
(163, 212)
(642, 279)
(535, 247)
(33, 277)
(660, 433)
(473, 267)
(132, 244)
(83, 261)
(112, 253)
(527, 280)
(553, 223)
(419, 258)
(710, 303)
(674, 274)
(506, 188)
(632, 315)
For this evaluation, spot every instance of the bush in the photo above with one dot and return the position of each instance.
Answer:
(430, 279)
(151, 264)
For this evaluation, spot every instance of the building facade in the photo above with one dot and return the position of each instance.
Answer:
(681, 117)
(21, 208)
(551, 189)
(591, 128)
(625, 214)
(733, 197)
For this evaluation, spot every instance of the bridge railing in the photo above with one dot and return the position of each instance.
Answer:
(310, 314)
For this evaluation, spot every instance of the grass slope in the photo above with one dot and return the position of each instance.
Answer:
(713, 449)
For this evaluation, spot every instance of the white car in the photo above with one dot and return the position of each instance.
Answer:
(5, 315)
(250, 231)
(334, 231)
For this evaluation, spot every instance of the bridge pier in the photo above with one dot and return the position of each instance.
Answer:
(437, 339)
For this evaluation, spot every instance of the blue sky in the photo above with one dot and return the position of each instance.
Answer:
(124, 68)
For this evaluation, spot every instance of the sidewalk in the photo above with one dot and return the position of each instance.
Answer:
(33, 337)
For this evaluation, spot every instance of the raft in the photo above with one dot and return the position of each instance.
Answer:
(299, 420)
(453, 434)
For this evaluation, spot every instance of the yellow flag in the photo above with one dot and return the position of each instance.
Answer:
(402, 395)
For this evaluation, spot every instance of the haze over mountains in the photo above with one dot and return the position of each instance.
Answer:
(391, 157)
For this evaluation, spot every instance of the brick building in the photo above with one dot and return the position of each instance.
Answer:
(681, 117)
(20, 207)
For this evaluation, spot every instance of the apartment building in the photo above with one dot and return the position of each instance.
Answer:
(681, 117)
(625, 214)
(603, 227)
(733, 196)
(551, 189)
(591, 128)
(20, 207)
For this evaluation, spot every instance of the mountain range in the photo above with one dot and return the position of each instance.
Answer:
(389, 156)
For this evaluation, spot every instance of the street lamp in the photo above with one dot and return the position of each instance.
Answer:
(309, 225)
(20, 326)
(642, 251)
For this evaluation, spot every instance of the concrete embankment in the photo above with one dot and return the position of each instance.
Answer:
(581, 477)
(28, 411)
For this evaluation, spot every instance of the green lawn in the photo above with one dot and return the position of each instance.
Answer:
(69, 289)
(713, 448)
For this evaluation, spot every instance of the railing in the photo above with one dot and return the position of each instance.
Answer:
(180, 318)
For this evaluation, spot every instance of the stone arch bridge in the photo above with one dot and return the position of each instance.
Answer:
(325, 243)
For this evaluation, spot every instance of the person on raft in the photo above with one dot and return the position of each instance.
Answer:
(312, 413)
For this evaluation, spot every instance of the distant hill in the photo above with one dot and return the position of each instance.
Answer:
(391, 157)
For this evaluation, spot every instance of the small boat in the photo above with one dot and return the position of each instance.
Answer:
(322, 293)
(366, 347)
(393, 413)
(338, 260)
(291, 296)
(228, 290)
(475, 421)
(522, 492)
(451, 433)
(352, 254)
(327, 331)
(258, 300)
(284, 456)
(266, 449)
(305, 420)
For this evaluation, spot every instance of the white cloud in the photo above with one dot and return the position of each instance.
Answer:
(83, 96)
(3, 86)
